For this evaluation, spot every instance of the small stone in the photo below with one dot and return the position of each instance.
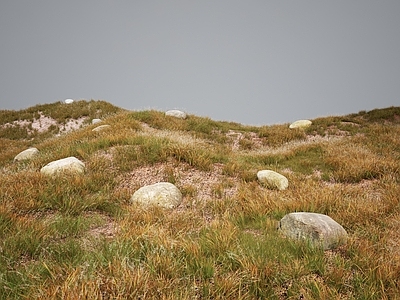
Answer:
(94, 121)
(26, 154)
(68, 101)
(176, 113)
(316, 228)
(273, 179)
(64, 165)
(300, 124)
(163, 194)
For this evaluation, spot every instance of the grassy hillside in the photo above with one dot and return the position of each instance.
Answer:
(78, 237)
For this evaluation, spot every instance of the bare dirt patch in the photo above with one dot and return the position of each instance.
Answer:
(44, 123)
(182, 175)
(107, 230)
(72, 124)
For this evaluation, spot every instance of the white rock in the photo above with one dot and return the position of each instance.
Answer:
(94, 121)
(69, 165)
(68, 101)
(163, 194)
(101, 127)
(300, 124)
(316, 228)
(26, 154)
(176, 113)
(273, 179)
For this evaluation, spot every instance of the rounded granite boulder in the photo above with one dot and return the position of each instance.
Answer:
(273, 180)
(163, 194)
(300, 124)
(26, 154)
(176, 113)
(318, 229)
(65, 165)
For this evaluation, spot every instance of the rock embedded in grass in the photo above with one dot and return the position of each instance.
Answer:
(176, 113)
(26, 154)
(300, 124)
(65, 165)
(163, 194)
(273, 179)
(318, 229)
(94, 121)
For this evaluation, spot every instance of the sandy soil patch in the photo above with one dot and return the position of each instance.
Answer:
(205, 183)
(43, 124)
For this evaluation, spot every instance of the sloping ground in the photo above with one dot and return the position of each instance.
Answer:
(44, 124)
(54, 118)
(79, 237)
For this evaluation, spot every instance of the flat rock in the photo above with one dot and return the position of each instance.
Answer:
(68, 101)
(101, 127)
(176, 113)
(26, 154)
(300, 124)
(318, 229)
(95, 121)
(65, 165)
(163, 194)
(272, 179)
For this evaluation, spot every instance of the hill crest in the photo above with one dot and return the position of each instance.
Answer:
(79, 236)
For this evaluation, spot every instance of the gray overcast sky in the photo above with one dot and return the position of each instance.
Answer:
(252, 62)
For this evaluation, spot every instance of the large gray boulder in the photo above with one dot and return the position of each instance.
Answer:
(318, 229)
(64, 165)
(272, 179)
(163, 194)
(300, 124)
(176, 113)
(26, 154)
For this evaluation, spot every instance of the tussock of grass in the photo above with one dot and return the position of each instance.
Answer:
(78, 237)
(354, 162)
(279, 134)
